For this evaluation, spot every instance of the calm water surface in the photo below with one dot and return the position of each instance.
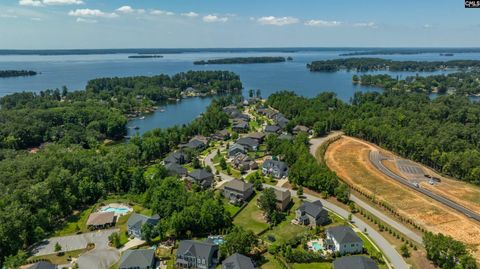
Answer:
(74, 71)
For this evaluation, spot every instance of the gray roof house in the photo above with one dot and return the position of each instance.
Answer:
(283, 199)
(176, 169)
(221, 135)
(275, 168)
(240, 126)
(136, 221)
(357, 262)
(300, 128)
(272, 129)
(178, 157)
(237, 261)
(237, 191)
(257, 136)
(248, 143)
(137, 259)
(194, 144)
(42, 265)
(243, 162)
(202, 177)
(280, 119)
(344, 240)
(196, 254)
(312, 214)
(235, 149)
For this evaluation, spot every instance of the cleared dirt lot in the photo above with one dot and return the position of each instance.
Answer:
(349, 158)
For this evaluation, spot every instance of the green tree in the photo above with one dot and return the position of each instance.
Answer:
(57, 247)
(240, 241)
(223, 163)
(404, 250)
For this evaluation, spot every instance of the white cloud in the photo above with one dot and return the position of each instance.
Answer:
(190, 14)
(365, 24)
(278, 21)
(91, 13)
(161, 12)
(36, 19)
(83, 20)
(32, 3)
(427, 26)
(8, 16)
(214, 18)
(62, 2)
(125, 9)
(322, 23)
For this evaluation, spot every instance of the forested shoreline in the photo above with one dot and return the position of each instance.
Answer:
(40, 190)
(376, 64)
(16, 73)
(242, 60)
(443, 133)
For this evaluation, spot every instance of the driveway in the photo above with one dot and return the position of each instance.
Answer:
(74, 242)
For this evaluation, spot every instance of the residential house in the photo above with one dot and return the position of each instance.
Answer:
(237, 191)
(200, 138)
(243, 162)
(136, 221)
(249, 143)
(277, 169)
(238, 261)
(283, 199)
(300, 129)
(42, 265)
(137, 259)
(259, 136)
(194, 144)
(280, 119)
(242, 117)
(272, 129)
(196, 254)
(178, 157)
(240, 127)
(357, 262)
(344, 240)
(221, 135)
(235, 149)
(174, 169)
(101, 220)
(201, 177)
(231, 110)
(312, 214)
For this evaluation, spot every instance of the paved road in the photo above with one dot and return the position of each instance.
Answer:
(376, 159)
(318, 141)
(390, 252)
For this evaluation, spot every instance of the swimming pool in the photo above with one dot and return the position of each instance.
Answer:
(117, 209)
(217, 240)
(317, 246)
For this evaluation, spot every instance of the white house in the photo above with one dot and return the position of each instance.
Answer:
(344, 240)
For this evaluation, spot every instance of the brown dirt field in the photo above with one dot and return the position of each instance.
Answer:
(349, 158)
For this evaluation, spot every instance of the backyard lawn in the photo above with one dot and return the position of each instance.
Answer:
(314, 265)
(63, 259)
(271, 263)
(76, 223)
(251, 217)
(232, 209)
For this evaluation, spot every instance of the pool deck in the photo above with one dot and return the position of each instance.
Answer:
(124, 208)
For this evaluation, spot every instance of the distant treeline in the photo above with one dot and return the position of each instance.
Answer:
(144, 56)
(243, 60)
(460, 83)
(409, 51)
(374, 64)
(16, 73)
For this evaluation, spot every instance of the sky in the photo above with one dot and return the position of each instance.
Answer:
(88, 24)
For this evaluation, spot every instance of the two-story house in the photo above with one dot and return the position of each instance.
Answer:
(275, 168)
(196, 254)
(136, 221)
(344, 240)
(312, 214)
(237, 191)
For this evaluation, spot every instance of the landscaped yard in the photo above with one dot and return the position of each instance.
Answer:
(251, 217)
(63, 259)
(271, 263)
(314, 265)
(232, 209)
(76, 223)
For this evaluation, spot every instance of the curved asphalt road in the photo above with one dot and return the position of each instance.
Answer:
(376, 159)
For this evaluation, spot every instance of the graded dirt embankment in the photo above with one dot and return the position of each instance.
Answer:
(349, 158)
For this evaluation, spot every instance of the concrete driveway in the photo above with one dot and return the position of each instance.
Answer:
(74, 242)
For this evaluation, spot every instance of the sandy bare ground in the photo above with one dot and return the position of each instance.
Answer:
(349, 158)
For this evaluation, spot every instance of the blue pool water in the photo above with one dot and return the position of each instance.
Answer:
(116, 210)
(317, 246)
(217, 240)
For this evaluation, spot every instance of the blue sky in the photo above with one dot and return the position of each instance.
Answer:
(43, 24)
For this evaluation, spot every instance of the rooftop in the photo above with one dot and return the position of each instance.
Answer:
(344, 234)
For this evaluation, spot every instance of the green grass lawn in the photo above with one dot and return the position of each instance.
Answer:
(55, 259)
(251, 217)
(233, 172)
(314, 265)
(75, 223)
(286, 230)
(232, 209)
(253, 125)
(271, 263)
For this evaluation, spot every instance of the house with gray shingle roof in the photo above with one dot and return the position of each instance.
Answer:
(196, 254)
(237, 261)
(136, 221)
(240, 126)
(235, 149)
(248, 143)
(283, 198)
(344, 240)
(312, 214)
(357, 262)
(201, 177)
(275, 168)
(237, 191)
(175, 169)
(272, 129)
(42, 265)
(178, 157)
(137, 259)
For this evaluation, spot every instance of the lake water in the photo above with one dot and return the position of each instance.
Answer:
(74, 71)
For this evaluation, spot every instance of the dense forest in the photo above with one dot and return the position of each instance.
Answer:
(40, 190)
(16, 73)
(443, 133)
(99, 112)
(447, 253)
(374, 64)
(242, 60)
(409, 51)
(461, 83)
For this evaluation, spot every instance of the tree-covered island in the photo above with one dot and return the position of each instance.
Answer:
(242, 60)
(16, 73)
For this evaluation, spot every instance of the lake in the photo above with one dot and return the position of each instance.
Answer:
(74, 71)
